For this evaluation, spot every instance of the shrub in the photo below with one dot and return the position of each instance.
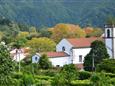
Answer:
(111, 75)
(107, 65)
(49, 72)
(100, 79)
(81, 83)
(67, 74)
(43, 77)
(112, 81)
(44, 62)
(17, 75)
(84, 75)
(27, 80)
(43, 83)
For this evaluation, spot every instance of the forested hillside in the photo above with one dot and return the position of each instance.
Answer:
(50, 12)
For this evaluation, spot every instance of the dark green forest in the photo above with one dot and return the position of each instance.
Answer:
(50, 12)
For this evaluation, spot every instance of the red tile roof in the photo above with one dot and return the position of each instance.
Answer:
(56, 54)
(82, 42)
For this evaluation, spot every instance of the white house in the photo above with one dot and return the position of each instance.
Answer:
(35, 58)
(58, 59)
(19, 54)
(69, 51)
(77, 48)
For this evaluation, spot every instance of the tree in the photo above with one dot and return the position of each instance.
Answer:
(88, 31)
(67, 74)
(22, 35)
(110, 20)
(93, 32)
(45, 32)
(20, 42)
(98, 53)
(44, 62)
(61, 31)
(6, 66)
(41, 44)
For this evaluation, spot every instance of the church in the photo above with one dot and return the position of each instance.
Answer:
(73, 50)
(109, 39)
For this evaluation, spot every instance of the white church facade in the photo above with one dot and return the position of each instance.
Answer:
(109, 38)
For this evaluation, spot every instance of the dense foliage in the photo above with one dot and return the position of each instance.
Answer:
(107, 65)
(6, 66)
(67, 74)
(83, 12)
(96, 55)
(44, 62)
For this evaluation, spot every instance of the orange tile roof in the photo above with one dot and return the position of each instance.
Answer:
(82, 42)
(56, 54)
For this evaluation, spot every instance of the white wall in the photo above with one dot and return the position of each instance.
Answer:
(80, 51)
(59, 61)
(34, 59)
(109, 42)
(114, 40)
(66, 44)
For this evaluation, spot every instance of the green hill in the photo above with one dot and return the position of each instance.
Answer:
(50, 12)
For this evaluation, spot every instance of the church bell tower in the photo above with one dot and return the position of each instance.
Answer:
(110, 40)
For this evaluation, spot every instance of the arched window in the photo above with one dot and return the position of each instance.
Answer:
(36, 58)
(108, 33)
(63, 48)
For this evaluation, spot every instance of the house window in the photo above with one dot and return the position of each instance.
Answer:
(36, 58)
(80, 58)
(63, 48)
(108, 33)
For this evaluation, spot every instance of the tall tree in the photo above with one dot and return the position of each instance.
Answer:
(41, 44)
(44, 62)
(6, 66)
(66, 31)
(96, 55)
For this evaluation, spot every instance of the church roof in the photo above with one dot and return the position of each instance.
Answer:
(56, 54)
(82, 42)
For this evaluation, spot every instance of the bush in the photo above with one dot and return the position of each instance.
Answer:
(44, 62)
(49, 72)
(111, 75)
(43, 77)
(112, 81)
(43, 80)
(84, 75)
(107, 65)
(43, 83)
(81, 83)
(67, 74)
(100, 79)
(17, 75)
(28, 80)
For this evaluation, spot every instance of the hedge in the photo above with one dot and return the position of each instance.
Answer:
(81, 83)
(43, 77)
(84, 75)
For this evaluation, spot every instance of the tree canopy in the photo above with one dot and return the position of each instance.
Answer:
(98, 53)
(6, 66)
(41, 44)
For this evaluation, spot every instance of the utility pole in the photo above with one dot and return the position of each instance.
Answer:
(93, 63)
(18, 52)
